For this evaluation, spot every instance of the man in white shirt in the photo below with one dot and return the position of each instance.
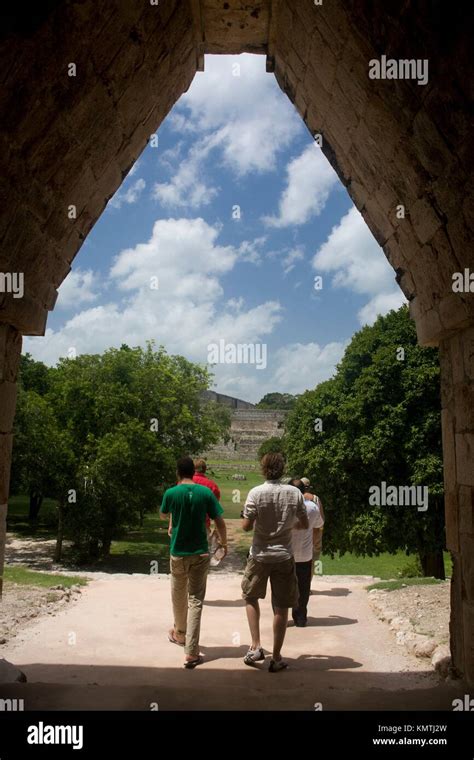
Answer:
(303, 548)
(272, 510)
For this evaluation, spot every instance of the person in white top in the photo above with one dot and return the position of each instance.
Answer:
(303, 548)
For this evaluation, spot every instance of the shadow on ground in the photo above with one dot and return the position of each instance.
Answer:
(338, 686)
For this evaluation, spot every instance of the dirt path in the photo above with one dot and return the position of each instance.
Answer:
(108, 650)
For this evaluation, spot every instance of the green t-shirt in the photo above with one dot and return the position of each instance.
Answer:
(188, 504)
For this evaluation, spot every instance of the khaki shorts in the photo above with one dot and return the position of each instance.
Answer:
(283, 581)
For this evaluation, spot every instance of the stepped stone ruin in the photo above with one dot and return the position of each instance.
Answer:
(249, 428)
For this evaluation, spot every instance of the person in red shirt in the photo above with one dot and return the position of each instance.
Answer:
(200, 466)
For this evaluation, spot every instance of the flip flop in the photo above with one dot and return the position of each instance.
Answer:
(173, 640)
(190, 664)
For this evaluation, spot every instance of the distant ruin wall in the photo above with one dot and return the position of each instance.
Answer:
(229, 401)
(249, 429)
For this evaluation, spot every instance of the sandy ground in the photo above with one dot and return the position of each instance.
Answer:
(109, 650)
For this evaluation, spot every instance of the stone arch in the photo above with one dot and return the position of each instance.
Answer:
(69, 140)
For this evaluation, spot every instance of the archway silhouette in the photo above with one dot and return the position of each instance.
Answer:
(86, 84)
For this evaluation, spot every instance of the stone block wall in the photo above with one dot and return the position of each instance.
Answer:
(457, 365)
(10, 349)
(249, 429)
(68, 141)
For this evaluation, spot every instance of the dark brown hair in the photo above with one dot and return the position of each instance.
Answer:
(185, 467)
(273, 466)
(297, 483)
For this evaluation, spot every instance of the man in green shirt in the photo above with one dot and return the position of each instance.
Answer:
(187, 504)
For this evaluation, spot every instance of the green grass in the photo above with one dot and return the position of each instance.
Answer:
(401, 582)
(230, 488)
(385, 566)
(17, 518)
(24, 576)
(139, 547)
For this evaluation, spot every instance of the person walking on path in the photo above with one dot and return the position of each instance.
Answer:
(188, 504)
(272, 510)
(303, 542)
(318, 532)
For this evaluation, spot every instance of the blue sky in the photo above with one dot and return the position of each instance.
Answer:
(169, 261)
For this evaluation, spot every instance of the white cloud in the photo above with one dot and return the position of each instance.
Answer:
(171, 155)
(250, 118)
(304, 365)
(358, 263)
(186, 187)
(380, 304)
(289, 261)
(251, 250)
(186, 313)
(78, 288)
(246, 120)
(310, 179)
(131, 195)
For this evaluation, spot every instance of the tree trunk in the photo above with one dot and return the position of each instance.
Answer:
(59, 540)
(36, 500)
(93, 548)
(106, 542)
(433, 564)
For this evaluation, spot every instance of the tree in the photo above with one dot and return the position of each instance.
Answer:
(273, 445)
(377, 420)
(33, 375)
(122, 476)
(94, 393)
(277, 401)
(36, 440)
(103, 436)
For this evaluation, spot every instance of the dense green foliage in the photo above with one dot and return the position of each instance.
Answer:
(277, 401)
(101, 434)
(272, 445)
(377, 420)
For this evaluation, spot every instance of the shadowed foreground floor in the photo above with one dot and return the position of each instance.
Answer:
(109, 650)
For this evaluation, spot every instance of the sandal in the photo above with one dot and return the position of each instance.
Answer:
(172, 638)
(189, 664)
(253, 656)
(277, 665)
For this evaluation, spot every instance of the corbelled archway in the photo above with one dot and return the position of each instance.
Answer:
(86, 82)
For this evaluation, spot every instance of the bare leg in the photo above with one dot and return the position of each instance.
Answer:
(280, 621)
(253, 616)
